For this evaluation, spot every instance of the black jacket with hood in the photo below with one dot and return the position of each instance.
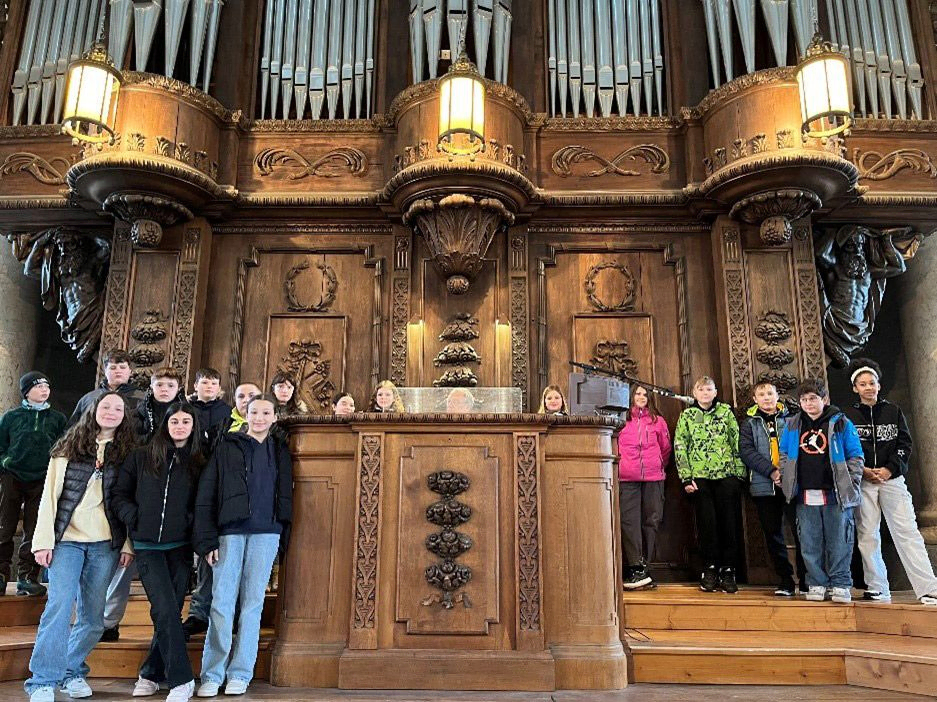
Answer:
(883, 431)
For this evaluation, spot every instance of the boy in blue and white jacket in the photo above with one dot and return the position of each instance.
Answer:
(821, 463)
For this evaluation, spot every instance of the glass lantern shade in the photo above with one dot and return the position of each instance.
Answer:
(91, 91)
(824, 83)
(462, 109)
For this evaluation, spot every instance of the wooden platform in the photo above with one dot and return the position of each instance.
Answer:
(678, 634)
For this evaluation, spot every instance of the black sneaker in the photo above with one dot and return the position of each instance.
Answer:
(803, 587)
(785, 589)
(727, 580)
(194, 625)
(636, 578)
(111, 634)
(30, 588)
(872, 595)
(709, 580)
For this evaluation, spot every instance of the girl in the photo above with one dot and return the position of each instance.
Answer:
(155, 498)
(552, 401)
(243, 513)
(886, 444)
(283, 389)
(80, 539)
(386, 398)
(343, 404)
(644, 451)
(706, 445)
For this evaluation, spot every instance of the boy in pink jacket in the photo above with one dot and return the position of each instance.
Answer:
(644, 449)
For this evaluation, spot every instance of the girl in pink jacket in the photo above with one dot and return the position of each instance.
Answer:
(644, 450)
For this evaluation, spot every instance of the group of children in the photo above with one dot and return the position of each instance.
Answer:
(830, 473)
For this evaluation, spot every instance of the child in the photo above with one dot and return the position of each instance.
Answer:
(155, 498)
(386, 398)
(758, 448)
(212, 410)
(283, 388)
(706, 445)
(886, 443)
(27, 434)
(644, 451)
(460, 401)
(242, 520)
(116, 364)
(165, 389)
(80, 539)
(552, 401)
(343, 404)
(821, 466)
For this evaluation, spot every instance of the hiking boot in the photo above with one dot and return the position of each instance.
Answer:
(637, 578)
(30, 588)
(194, 625)
(709, 580)
(727, 579)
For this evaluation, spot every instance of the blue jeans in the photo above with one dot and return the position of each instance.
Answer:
(240, 577)
(827, 534)
(79, 571)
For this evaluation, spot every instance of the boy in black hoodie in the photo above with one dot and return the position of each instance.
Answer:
(886, 443)
(212, 410)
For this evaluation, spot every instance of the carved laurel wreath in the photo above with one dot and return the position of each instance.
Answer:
(652, 154)
(331, 165)
(627, 301)
(326, 298)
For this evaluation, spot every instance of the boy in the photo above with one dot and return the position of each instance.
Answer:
(27, 434)
(886, 443)
(821, 466)
(758, 448)
(116, 363)
(212, 410)
(165, 388)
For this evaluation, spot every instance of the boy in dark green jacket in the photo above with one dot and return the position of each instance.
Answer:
(27, 434)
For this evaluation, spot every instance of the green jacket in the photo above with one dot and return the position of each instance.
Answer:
(26, 438)
(706, 444)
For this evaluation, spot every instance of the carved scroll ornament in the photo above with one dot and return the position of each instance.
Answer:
(567, 156)
(873, 165)
(51, 172)
(311, 372)
(337, 162)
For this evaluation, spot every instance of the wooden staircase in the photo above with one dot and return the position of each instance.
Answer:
(19, 617)
(677, 634)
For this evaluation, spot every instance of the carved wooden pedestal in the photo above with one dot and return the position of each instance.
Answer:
(364, 601)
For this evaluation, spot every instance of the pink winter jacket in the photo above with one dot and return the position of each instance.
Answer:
(644, 448)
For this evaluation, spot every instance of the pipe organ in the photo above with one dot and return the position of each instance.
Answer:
(605, 54)
(490, 22)
(60, 31)
(317, 56)
(875, 35)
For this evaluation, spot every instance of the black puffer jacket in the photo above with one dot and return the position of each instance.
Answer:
(157, 509)
(883, 431)
(77, 476)
(223, 497)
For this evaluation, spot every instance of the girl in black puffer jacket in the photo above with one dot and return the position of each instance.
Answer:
(155, 498)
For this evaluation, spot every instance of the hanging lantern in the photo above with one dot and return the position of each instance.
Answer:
(824, 82)
(462, 109)
(90, 108)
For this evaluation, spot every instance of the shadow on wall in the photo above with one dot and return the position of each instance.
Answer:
(70, 379)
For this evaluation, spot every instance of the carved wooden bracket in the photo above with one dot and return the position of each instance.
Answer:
(147, 215)
(775, 210)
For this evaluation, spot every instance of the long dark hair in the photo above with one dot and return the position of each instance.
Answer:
(292, 406)
(161, 443)
(80, 442)
(652, 410)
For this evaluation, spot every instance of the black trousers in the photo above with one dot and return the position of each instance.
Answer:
(717, 511)
(642, 508)
(18, 495)
(165, 577)
(772, 509)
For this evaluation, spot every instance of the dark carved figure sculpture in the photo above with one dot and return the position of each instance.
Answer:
(72, 269)
(853, 264)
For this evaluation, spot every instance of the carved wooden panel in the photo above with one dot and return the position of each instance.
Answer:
(812, 358)
(416, 608)
(152, 296)
(623, 343)
(363, 632)
(528, 542)
(117, 300)
(738, 327)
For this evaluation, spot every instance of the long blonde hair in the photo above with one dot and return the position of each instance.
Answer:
(396, 406)
(543, 398)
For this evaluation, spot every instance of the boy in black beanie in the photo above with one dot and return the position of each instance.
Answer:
(27, 434)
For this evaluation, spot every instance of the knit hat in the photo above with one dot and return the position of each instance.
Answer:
(30, 380)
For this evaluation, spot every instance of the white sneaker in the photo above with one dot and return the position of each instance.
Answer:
(207, 689)
(929, 600)
(236, 687)
(842, 595)
(42, 694)
(78, 688)
(181, 693)
(145, 688)
(816, 593)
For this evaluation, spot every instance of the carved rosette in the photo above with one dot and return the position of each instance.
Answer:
(458, 230)
(775, 329)
(448, 513)
(775, 210)
(147, 352)
(147, 215)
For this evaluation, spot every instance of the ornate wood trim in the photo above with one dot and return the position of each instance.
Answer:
(400, 306)
(812, 357)
(502, 418)
(183, 304)
(736, 306)
(519, 316)
(114, 331)
(252, 260)
(527, 542)
(367, 542)
(671, 258)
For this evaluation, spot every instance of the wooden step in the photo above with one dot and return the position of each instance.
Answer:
(120, 659)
